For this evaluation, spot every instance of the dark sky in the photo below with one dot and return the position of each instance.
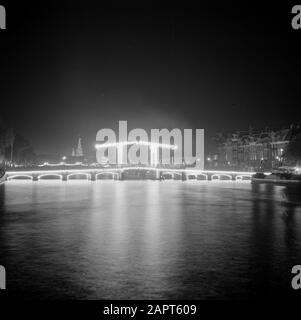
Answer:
(70, 69)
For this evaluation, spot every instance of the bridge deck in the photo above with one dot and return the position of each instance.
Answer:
(64, 173)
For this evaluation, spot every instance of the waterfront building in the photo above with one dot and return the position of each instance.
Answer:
(254, 151)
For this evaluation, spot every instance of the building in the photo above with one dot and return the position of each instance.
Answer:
(79, 149)
(250, 151)
(77, 154)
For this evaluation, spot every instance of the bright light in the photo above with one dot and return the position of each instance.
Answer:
(19, 176)
(64, 158)
(157, 145)
(196, 171)
(59, 164)
(208, 159)
(143, 143)
(108, 145)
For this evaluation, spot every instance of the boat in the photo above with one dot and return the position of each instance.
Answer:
(283, 176)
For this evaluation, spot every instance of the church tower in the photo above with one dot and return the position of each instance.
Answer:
(79, 149)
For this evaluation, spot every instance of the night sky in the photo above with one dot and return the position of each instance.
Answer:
(70, 69)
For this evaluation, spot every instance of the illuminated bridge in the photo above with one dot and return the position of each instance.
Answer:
(125, 173)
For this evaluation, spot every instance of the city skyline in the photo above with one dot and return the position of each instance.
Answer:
(159, 68)
(150, 155)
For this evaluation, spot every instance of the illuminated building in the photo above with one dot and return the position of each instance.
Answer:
(254, 151)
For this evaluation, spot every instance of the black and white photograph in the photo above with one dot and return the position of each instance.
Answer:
(150, 151)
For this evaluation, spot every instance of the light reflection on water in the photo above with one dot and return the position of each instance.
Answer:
(148, 239)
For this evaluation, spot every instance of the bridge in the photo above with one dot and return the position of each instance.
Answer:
(124, 173)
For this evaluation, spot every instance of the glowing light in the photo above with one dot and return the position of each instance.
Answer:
(46, 164)
(192, 170)
(142, 143)
(157, 145)
(28, 177)
(216, 175)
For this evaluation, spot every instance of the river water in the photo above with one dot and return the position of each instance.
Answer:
(148, 239)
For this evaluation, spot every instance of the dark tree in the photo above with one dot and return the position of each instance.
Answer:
(293, 152)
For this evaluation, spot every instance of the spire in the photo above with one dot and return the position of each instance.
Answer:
(79, 150)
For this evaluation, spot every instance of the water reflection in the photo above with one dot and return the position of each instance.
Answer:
(291, 218)
(148, 239)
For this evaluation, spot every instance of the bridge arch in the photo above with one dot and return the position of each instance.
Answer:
(113, 174)
(20, 176)
(87, 175)
(171, 174)
(167, 175)
(221, 177)
(189, 175)
(224, 176)
(243, 177)
(202, 175)
(178, 174)
(46, 176)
